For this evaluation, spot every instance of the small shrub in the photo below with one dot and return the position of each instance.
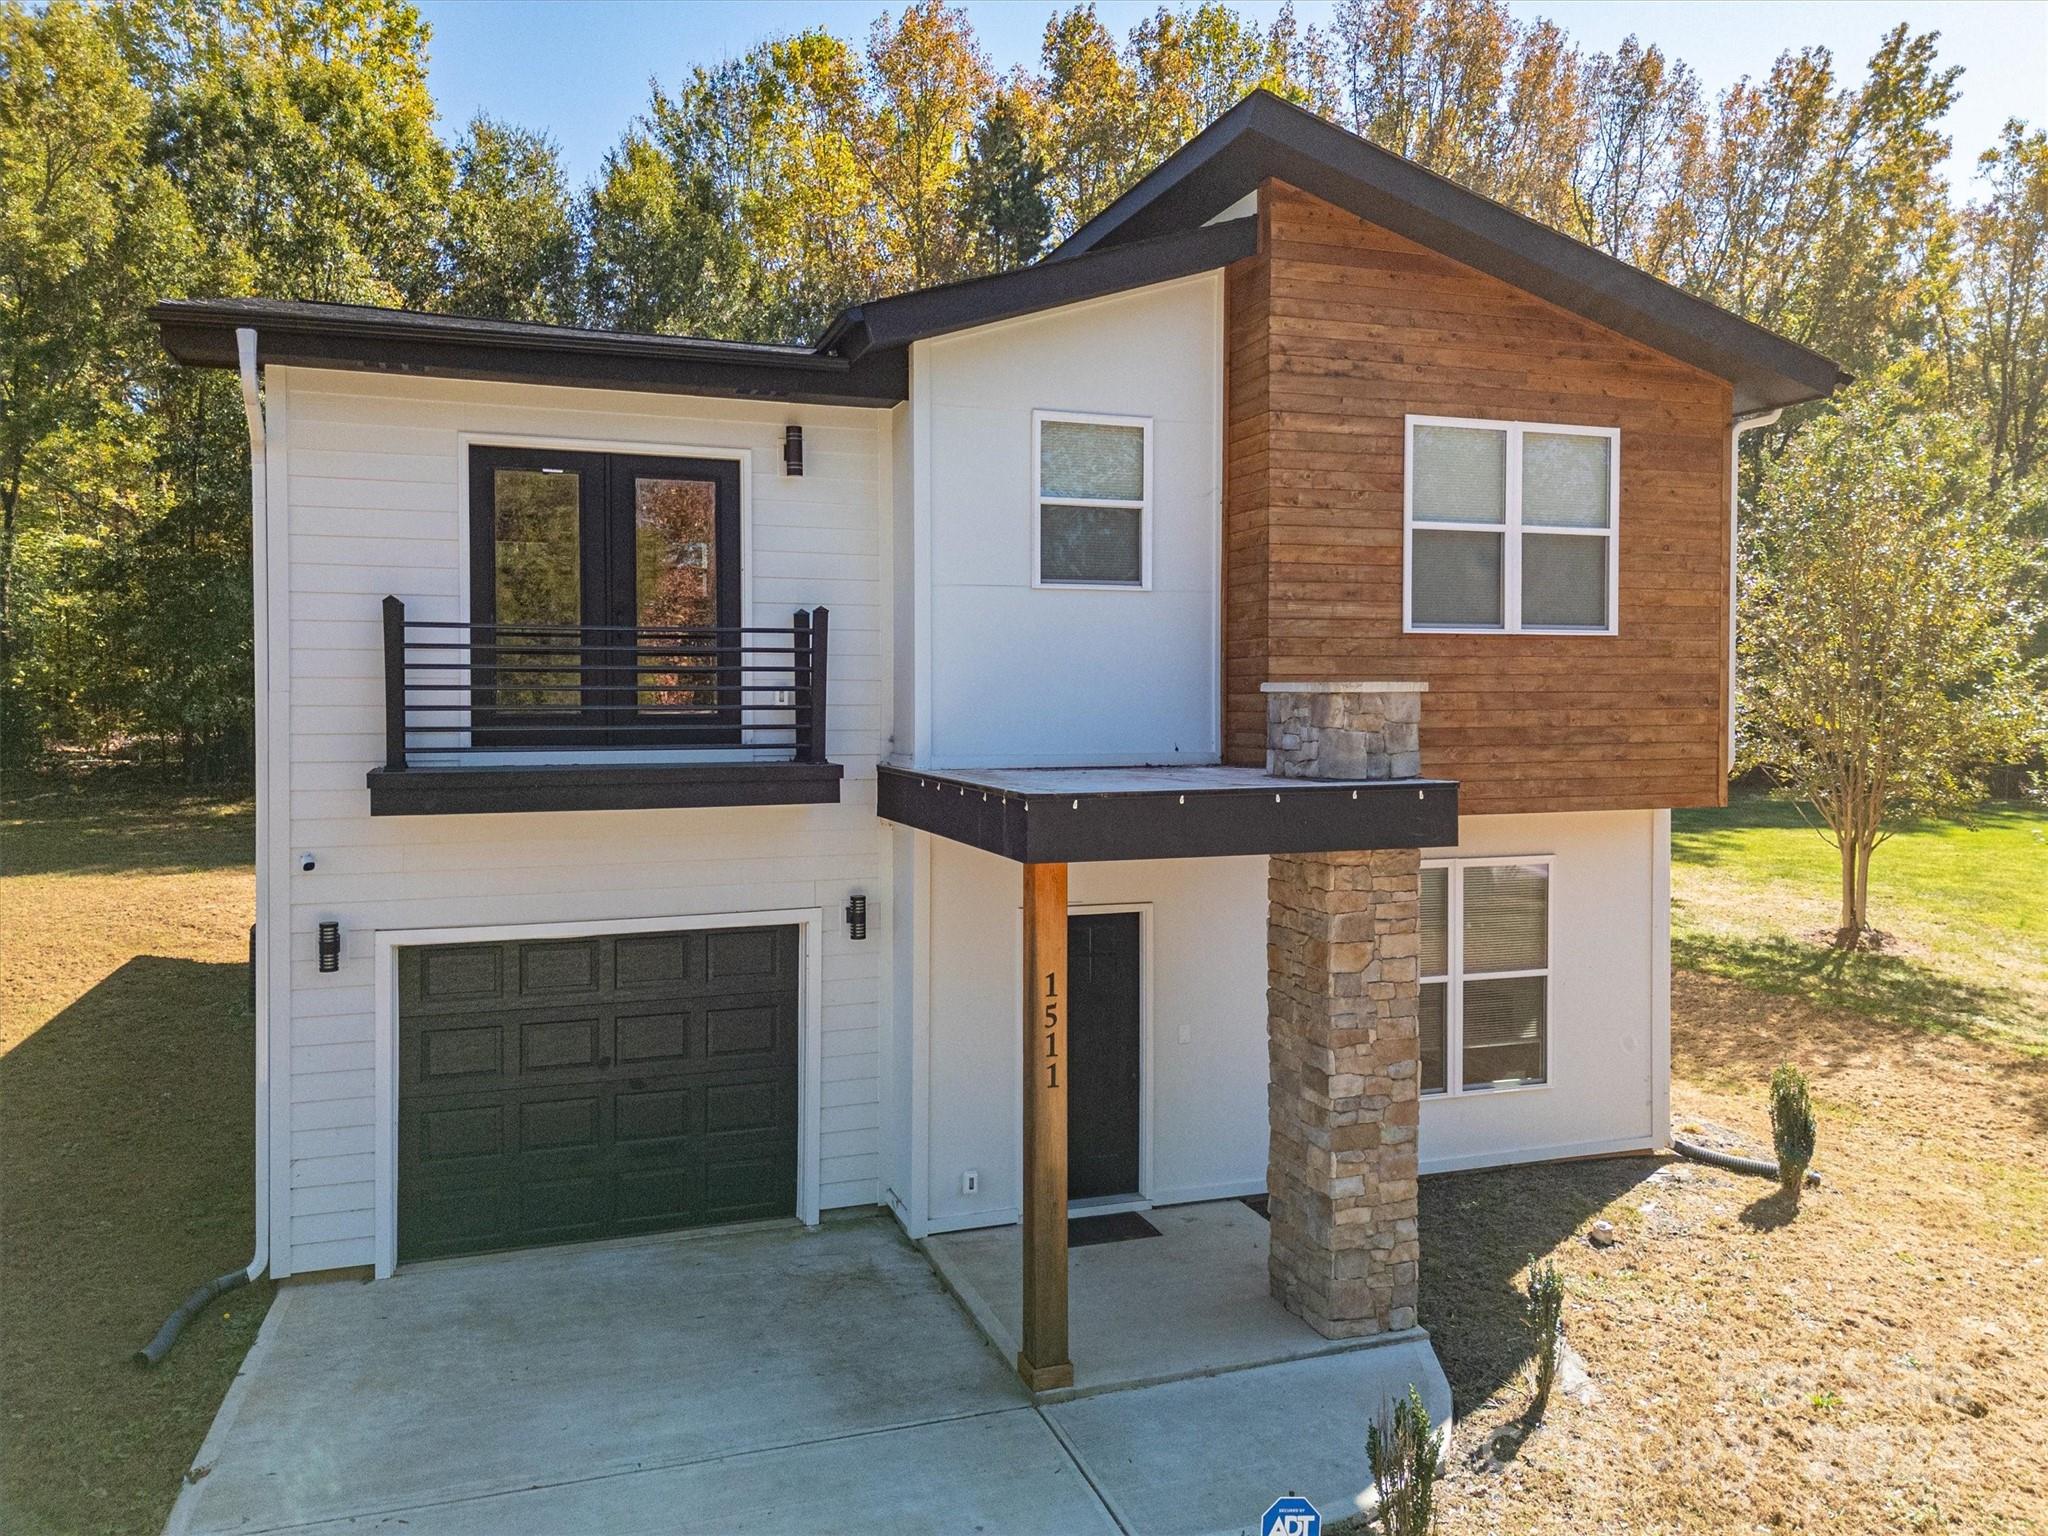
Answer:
(1403, 1451)
(1792, 1128)
(1546, 1317)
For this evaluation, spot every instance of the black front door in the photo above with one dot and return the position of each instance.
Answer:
(1102, 1050)
(601, 582)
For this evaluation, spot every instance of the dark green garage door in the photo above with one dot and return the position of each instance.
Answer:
(558, 1090)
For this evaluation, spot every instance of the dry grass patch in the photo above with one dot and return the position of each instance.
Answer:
(1872, 1363)
(125, 1158)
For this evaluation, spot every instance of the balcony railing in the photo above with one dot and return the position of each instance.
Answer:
(463, 693)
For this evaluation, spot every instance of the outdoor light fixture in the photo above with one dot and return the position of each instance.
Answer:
(857, 917)
(792, 450)
(330, 946)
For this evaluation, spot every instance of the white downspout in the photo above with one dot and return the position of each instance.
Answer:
(1742, 424)
(154, 1351)
(259, 507)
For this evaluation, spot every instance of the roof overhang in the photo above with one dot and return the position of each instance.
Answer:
(1085, 815)
(1264, 137)
(201, 333)
(896, 322)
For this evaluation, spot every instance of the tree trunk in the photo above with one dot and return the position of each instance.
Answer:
(1850, 925)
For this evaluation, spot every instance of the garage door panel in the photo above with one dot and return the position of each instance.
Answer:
(651, 1199)
(553, 1125)
(653, 959)
(563, 966)
(653, 1038)
(470, 973)
(535, 1109)
(465, 1051)
(570, 1209)
(746, 1188)
(555, 1045)
(736, 1031)
(749, 954)
(454, 1133)
(659, 1115)
(459, 1218)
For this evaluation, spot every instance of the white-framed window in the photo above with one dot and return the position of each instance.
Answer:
(1091, 500)
(1510, 526)
(1485, 1021)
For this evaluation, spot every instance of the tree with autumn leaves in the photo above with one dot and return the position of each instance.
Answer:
(287, 148)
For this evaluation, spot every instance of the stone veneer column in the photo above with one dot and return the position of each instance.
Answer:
(1343, 946)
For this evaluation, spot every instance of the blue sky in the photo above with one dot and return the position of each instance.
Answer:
(579, 69)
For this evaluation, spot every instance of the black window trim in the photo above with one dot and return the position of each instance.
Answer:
(606, 511)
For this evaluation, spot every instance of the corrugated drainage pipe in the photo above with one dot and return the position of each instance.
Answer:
(1734, 1164)
(195, 1304)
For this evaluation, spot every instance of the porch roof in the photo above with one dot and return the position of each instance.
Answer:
(1083, 815)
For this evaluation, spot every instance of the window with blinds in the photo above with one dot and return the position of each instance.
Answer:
(1511, 526)
(1092, 500)
(1485, 1004)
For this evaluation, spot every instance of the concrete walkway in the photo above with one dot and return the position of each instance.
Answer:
(765, 1379)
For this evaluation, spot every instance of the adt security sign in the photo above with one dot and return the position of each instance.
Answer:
(1291, 1517)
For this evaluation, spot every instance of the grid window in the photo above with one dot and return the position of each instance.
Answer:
(1511, 526)
(1485, 1005)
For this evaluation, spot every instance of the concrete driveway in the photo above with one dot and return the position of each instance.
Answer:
(766, 1380)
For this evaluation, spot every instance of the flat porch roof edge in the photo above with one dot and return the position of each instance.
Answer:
(1164, 813)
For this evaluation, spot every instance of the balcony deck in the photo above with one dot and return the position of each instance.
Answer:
(1078, 815)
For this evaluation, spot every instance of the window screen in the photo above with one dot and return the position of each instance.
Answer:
(1092, 505)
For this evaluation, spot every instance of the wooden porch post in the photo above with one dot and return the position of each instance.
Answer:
(1042, 1359)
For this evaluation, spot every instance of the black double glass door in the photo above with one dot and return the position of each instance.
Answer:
(605, 592)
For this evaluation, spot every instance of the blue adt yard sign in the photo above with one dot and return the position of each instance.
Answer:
(1291, 1517)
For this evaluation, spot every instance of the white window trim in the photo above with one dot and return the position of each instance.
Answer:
(1143, 506)
(1511, 543)
(1454, 978)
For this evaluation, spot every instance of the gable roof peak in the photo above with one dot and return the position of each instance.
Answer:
(1265, 137)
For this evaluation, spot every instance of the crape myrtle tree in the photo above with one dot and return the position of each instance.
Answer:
(1886, 607)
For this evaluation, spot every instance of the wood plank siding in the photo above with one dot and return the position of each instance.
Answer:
(1337, 330)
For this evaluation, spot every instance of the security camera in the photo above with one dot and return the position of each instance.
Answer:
(306, 862)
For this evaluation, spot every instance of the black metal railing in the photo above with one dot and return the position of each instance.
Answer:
(452, 687)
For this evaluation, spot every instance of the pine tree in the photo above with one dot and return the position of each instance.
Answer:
(1004, 204)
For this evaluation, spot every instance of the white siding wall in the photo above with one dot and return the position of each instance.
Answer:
(1021, 675)
(1203, 1099)
(1205, 1096)
(374, 470)
(1610, 966)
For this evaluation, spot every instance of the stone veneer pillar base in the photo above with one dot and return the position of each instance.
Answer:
(1343, 949)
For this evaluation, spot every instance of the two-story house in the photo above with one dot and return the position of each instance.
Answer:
(1194, 718)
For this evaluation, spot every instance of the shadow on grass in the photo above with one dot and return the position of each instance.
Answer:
(1767, 1213)
(1479, 1231)
(1889, 988)
(125, 1181)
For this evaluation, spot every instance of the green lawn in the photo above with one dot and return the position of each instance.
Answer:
(1966, 904)
(126, 1081)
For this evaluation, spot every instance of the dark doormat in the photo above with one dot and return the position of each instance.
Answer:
(1257, 1203)
(1087, 1231)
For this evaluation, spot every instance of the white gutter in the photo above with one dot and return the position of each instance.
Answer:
(259, 506)
(1742, 424)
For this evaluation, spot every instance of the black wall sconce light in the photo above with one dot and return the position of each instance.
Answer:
(857, 917)
(330, 946)
(792, 450)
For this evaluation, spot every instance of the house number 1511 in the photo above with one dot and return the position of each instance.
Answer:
(1052, 1031)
